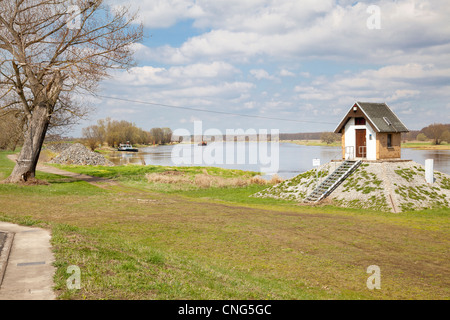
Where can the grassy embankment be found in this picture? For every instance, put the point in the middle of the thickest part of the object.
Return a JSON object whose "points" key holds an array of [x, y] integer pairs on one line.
{"points": [[153, 240]]}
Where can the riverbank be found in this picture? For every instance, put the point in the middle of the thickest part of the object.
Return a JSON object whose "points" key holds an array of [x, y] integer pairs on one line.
{"points": [[150, 240], [313, 143], [420, 145]]}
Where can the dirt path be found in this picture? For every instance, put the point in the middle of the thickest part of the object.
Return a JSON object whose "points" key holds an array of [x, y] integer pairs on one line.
{"points": [[96, 181]]}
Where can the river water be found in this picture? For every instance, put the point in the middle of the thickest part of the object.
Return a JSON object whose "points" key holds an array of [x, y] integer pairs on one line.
{"points": [[285, 159]]}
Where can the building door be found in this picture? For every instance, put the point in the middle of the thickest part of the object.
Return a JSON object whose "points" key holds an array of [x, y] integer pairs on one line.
{"points": [[360, 143]]}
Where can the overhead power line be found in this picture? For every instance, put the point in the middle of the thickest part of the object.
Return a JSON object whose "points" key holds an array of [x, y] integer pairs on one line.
{"points": [[208, 111]]}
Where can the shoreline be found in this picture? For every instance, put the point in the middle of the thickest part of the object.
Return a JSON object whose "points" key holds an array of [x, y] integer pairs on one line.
{"points": [[409, 145], [427, 147], [316, 143]]}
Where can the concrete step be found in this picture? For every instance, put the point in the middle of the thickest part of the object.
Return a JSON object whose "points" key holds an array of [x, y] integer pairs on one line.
{"points": [[333, 180]]}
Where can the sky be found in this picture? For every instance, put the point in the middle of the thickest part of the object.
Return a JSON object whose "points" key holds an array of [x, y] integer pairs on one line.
{"points": [[291, 65]]}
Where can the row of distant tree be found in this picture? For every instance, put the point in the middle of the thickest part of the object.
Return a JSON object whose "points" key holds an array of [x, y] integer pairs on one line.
{"points": [[114, 132], [11, 129], [436, 133]]}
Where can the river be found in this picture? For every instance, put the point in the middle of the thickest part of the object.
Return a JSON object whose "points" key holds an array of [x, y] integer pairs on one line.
{"points": [[285, 159]]}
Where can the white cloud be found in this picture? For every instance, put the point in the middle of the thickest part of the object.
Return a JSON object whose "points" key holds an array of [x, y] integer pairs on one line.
{"points": [[194, 85], [260, 74], [122, 111], [163, 13], [243, 30], [190, 74], [216, 69], [401, 94], [406, 63], [286, 73], [408, 88]]}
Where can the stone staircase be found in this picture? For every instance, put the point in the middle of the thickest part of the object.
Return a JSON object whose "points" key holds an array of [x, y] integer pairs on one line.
{"points": [[333, 181]]}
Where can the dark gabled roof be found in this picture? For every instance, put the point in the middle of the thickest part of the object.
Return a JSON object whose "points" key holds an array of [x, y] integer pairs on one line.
{"points": [[379, 115]]}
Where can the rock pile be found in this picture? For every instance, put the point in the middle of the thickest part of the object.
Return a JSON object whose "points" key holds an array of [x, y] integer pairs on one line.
{"points": [[58, 147], [79, 155]]}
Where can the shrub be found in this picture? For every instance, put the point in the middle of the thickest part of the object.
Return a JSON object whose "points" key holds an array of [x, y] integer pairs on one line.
{"points": [[329, 137], [421, 137], [258, 180], [46, 155], [276, 179], [203, 181]]}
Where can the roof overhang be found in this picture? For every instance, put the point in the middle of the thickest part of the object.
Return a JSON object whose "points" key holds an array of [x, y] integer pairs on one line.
{"points": [[349, 115]]}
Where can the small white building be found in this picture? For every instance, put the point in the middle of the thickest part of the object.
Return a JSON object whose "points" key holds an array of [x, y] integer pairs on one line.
{"points": [[371, 131]]}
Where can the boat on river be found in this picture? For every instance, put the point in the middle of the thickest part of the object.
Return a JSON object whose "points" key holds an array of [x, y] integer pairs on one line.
{"points": [[127, 147]]}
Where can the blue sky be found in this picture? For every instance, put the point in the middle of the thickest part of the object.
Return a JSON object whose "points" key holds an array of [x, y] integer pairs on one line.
{"points": [[305, 60]]}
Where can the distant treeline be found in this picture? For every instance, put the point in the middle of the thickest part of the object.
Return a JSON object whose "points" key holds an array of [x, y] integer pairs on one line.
{"points": [[114, 132], [301, 136], [247, 137], [436, 133]]}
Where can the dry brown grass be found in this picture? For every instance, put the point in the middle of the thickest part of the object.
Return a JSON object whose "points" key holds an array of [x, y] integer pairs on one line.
{"points": [[46, 155], [258, 180], [205, 180], [168, 178], [275, 179]]}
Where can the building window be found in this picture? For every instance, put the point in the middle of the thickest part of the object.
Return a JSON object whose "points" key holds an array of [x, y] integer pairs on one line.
{"points": [[389, 140], [360, 121]]}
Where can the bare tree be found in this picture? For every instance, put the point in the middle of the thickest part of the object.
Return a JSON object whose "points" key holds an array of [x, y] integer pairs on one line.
{"points": [[52, 50], [93, 136], [435, 131], [167, 135], [157, 135], [330, 137], [11, 129]]}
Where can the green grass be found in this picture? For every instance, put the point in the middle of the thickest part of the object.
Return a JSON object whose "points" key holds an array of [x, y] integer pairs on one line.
{"points": [[134, 176], [147, 241], [58, 185], [313, 143], [137, 172], [426, 145]]}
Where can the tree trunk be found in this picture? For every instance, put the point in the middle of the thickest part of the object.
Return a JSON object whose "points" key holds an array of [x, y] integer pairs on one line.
{"points": [[33, 139]]}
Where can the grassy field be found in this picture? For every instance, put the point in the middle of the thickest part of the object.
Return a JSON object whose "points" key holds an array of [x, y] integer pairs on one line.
{"points": [[142, 239], [422, 145], [425, 145], [313, 143]]}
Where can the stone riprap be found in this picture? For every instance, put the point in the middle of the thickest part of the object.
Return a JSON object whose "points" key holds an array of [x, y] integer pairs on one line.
{"points": [[77, 154]]}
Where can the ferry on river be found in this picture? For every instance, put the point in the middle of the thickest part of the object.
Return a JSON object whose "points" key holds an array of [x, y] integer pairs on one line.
{"points": [[127, 147]]}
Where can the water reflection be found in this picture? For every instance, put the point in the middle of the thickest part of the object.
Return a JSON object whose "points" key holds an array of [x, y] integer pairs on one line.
{"points": [[441, 158], [293, 159]]}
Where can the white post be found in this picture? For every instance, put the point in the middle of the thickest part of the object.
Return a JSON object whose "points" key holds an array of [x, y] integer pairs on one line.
{"points": [[429, 171], [316, 163]]}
